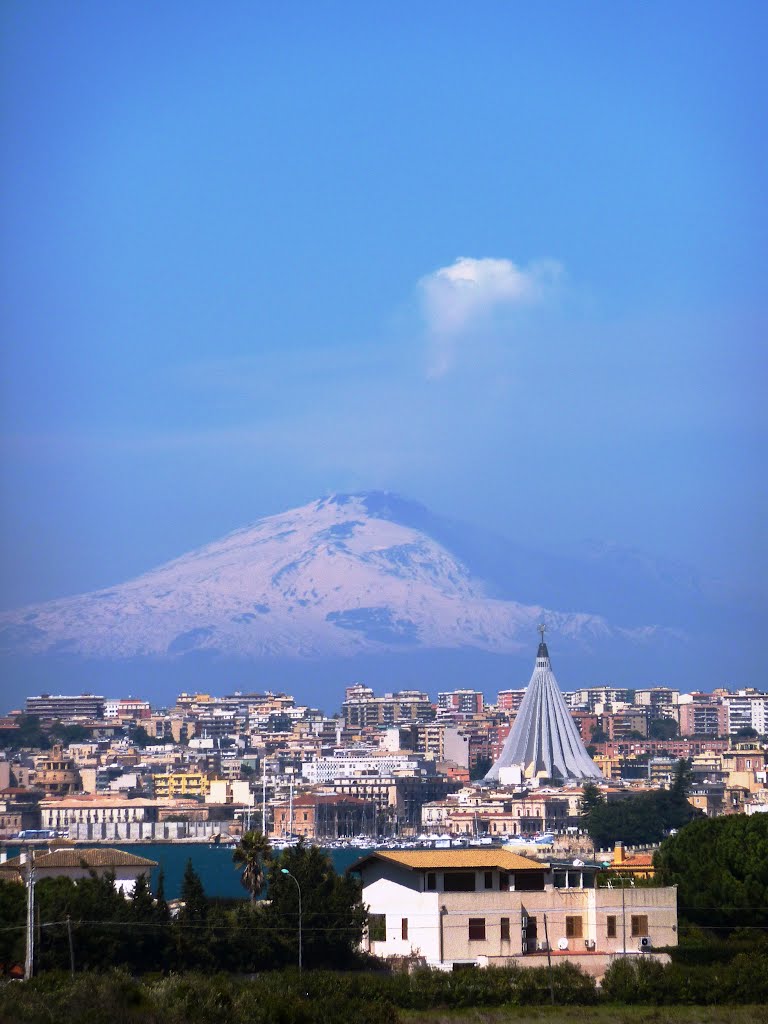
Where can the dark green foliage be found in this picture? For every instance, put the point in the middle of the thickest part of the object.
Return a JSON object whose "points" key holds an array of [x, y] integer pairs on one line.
{"points": [[481, 768], [642, 817], [252, 854], [323, 997], [662, 729], [333, 916], [140, 737], [195, 903], [639, 979], [28, 734], [720, 866], [13, 913], [67, 734], [591, 798]]}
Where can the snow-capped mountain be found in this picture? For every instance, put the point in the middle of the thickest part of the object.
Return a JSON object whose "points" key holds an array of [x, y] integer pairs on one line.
{"points": [[346, 575]]}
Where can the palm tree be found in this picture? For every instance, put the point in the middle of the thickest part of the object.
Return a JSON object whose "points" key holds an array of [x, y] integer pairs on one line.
{"points": [[252, 853]]}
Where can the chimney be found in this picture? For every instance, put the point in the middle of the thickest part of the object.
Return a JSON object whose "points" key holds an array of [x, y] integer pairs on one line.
{"points": [[618, 853]]}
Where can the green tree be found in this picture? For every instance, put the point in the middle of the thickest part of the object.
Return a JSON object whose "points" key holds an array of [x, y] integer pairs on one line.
{"points": [[13, 913], [591, 797], [27, 733], [192, 946], [682, 779], [142, 906], [162, 914], [720, 866], [333, 915], [99, 917], [194, 910], [252, 854], [481, 768], [662, 729], [140, 737], [639, 818], [746, 732]]}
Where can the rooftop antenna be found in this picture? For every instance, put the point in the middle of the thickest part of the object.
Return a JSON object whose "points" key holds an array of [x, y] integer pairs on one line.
{"points": [[542, 628]]}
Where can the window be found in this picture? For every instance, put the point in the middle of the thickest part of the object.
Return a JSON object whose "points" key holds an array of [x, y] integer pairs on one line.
{"points": [[573, 928], [377, 927], [477, 929], [610, 924], [488, 879], [505, 929], [503, 880], [561, 879], [459, 881], [529, 881], [404, 928], [639, 925], [431, 881]]}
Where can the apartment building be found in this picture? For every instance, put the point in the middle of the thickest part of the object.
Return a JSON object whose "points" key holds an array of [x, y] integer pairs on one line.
{"points": [[701, 714], [492, 907], [661, 701], [361, 708], [181, 784], [460, 702], [63, 707]]}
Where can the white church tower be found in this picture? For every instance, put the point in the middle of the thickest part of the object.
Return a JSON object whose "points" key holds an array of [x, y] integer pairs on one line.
{"points": [[544, 741]]}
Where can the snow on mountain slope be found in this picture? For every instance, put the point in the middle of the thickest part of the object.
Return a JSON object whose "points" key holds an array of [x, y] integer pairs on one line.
{"points": [[342, 576]]}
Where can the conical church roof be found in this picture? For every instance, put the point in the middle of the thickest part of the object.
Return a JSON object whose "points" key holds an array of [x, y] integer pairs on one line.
{"points": [[544, 741]]}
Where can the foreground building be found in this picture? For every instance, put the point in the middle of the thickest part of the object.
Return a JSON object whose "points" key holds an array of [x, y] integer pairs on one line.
{"points": [[493, 907], [544, 743]]}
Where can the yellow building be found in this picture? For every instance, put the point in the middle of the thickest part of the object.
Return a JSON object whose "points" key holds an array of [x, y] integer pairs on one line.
{"points": [[181, 784]]}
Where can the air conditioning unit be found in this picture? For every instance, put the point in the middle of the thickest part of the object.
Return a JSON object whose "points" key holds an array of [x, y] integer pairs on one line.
{"points": [[645, 942], [543, 946], [562, 943], [589, 943]]}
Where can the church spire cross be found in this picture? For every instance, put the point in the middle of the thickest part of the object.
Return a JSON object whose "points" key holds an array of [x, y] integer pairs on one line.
{"points": [[542, 628]]}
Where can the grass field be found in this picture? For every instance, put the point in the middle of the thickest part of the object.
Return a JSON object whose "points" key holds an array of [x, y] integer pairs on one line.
{"points": [[592, 1015]]}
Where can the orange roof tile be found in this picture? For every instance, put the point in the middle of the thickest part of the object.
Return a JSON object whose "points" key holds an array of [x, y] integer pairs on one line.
{"points": [[74, 858], [417, 860]]}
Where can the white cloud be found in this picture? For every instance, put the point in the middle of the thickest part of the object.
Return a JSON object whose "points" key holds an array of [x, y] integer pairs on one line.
{"points": [[458, 297]]}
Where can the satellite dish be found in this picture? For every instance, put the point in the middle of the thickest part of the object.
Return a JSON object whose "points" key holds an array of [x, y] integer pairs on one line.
{"points": [[578, 863], [562, 943]]}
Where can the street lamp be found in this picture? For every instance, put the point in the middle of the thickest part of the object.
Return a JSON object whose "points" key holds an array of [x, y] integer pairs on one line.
{"points": [[285, 871]]}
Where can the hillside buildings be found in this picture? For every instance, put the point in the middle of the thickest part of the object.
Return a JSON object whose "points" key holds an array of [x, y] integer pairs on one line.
{"points": [[389, 765]]}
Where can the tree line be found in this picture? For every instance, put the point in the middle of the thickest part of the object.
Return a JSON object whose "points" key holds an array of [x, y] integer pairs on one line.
{"points": [[90, 923]]}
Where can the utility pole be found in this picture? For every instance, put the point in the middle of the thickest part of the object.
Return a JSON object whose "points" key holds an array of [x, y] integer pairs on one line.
{"points": [[71, 947], [29, 964], [549, 954], [285, 871], [264, 794], [290, 809]]}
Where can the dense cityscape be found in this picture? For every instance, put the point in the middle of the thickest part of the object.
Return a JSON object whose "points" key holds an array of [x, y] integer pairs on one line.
{"points": [[389, 764]]}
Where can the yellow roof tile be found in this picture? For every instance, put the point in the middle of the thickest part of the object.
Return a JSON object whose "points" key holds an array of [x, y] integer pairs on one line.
{"points": [[441, 859]]}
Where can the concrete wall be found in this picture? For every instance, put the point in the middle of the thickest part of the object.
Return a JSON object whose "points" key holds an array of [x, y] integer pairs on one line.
{"points": [[145, 831], [438, 922]]}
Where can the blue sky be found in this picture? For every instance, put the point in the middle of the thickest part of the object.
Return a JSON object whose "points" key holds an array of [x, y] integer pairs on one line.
{"points": [[230, 236]]}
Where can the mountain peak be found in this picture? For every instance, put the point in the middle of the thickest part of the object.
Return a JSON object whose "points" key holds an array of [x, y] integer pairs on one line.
{"points": [[355, 573]]}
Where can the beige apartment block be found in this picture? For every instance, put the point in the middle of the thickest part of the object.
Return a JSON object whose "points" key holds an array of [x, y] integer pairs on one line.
{"points": [[452, 908]]}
